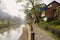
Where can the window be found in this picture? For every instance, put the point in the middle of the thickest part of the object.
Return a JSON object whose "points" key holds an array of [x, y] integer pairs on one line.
{"points": [[49, 6]]}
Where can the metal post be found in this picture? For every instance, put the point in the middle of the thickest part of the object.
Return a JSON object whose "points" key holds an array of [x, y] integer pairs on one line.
{"points": [[32, 33], [31, 28]]}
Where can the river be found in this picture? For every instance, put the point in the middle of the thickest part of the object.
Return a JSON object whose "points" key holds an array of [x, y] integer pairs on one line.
{"points": [[12, 7], [12, 34]]}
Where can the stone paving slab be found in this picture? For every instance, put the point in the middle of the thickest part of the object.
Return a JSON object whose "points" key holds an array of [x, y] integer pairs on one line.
{"points": [[39, 34]]}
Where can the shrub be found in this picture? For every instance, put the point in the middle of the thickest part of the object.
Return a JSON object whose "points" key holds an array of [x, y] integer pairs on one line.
{"points": [[57, 28], [52, 26], [43, 25]]}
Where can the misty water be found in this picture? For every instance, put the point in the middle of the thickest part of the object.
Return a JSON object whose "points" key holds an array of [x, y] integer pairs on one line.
{"points": [[12, 8], [12, 34]]}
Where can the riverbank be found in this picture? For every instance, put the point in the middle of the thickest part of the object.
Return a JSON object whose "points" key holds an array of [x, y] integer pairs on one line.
{"points": [[39, 34]]}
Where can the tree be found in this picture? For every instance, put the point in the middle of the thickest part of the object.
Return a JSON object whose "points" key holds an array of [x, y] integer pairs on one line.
{"points": [[58, 10], [19, 1], [32, 9]]}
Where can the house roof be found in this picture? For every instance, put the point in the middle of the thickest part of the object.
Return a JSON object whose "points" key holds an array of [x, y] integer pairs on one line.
{"points": [[53, 2]]}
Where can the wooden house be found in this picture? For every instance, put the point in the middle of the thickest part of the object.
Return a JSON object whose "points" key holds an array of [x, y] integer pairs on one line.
{"points": [[49, 13]]}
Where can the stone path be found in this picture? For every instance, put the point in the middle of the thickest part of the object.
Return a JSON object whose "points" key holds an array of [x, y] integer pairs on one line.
{"points": [[39, 34], [24, 35]]}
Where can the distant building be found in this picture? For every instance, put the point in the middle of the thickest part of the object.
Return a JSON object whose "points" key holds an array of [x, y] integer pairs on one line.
{"points": [[49, 13]]}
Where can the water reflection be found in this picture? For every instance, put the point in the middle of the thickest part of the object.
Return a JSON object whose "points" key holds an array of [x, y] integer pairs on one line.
{"points": [[12, 34], [10, 8]]}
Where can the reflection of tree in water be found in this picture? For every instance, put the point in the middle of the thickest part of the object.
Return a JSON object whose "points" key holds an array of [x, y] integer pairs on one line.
{"points": [[11, 22], [8, 36], [0, 37]]}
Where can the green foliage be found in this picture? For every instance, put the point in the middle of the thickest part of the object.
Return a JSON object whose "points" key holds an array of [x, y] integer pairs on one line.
{"points": [[58, 10], [57, 28], [43, 24], [54, 22], [50, 23], [35, 13], [3, 23], [35, 2], [52, 26]]}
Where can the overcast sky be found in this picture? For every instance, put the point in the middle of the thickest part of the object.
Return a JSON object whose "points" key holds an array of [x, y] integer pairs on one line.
{"points": [[48, 1]]}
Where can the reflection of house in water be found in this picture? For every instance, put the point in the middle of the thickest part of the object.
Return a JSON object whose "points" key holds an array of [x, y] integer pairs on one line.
{"points": [[49, 13]]}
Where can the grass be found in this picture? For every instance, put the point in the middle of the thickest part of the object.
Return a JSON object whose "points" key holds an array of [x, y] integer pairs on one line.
{"points": [[48, 26], [57, 27], [49, 33], [52, 35]]}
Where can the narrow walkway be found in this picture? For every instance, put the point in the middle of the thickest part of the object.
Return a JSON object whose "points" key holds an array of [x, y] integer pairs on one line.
{"points": [[39, 34], [24, 35]]}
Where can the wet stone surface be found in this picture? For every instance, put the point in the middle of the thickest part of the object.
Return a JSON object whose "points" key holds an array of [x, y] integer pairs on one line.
{"points": [[39, 34]]}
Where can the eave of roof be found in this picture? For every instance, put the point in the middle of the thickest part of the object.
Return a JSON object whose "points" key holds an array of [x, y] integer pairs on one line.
{"points": [[55, 2]]}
